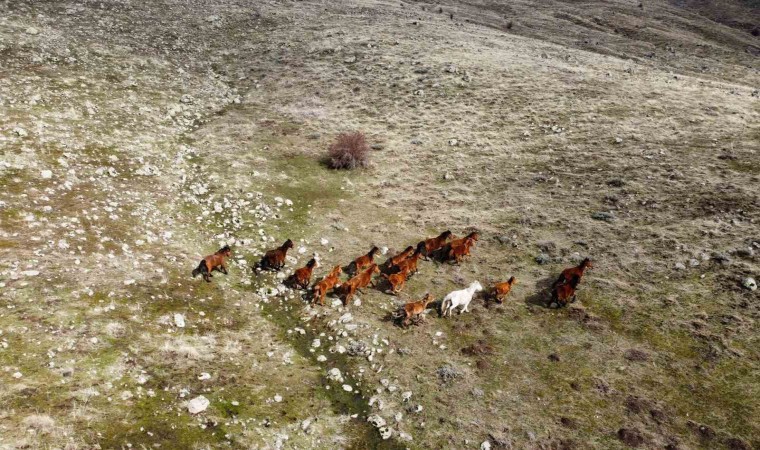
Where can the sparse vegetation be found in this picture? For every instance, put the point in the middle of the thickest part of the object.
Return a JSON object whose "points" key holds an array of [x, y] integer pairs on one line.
{"points": [[349, 151], [138, 137]]}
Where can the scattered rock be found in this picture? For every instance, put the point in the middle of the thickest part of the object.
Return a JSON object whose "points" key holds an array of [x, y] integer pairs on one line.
{"points": [[385, 432], [750, 283], [179, 321], [335, 375], [376, 421], [197, 405]]}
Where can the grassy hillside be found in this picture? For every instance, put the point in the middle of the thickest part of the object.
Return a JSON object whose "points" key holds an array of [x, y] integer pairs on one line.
{"points": [[137, 137]]}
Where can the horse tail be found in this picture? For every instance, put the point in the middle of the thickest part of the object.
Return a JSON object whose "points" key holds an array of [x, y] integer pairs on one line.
{"points": [[200, 269], [444, 304]]}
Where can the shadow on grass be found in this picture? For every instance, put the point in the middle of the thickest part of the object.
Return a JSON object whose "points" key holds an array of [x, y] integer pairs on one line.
{"points": [[541, 293]]}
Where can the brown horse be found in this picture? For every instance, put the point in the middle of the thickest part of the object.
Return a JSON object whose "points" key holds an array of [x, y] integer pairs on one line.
{"points": [[275, 259], [213, 262]]}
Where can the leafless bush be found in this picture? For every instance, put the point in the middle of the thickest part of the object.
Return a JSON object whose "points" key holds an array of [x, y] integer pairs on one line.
{"points": [[349, 151]]}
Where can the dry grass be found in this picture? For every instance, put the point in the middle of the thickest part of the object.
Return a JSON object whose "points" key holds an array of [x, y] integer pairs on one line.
{"points": [[523, 132]]}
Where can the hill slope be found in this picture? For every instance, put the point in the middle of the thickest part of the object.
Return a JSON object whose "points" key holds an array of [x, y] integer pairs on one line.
{"points": [[137, 138]]}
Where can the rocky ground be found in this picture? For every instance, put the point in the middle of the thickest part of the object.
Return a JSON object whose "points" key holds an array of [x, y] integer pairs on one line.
{"points": [[136, 137]]}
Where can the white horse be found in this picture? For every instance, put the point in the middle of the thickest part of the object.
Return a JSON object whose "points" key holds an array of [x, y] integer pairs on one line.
{"points": [[460, 298]]}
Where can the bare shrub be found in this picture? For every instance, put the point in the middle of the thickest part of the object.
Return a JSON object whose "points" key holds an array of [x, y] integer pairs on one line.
{"points": [[349, 151]]}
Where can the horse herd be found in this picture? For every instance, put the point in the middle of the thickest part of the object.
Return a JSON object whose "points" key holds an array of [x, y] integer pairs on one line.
{"points": [[395, 272]]}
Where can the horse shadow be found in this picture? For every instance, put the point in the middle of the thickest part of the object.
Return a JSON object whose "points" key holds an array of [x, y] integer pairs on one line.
{"points": [[541, 293]]}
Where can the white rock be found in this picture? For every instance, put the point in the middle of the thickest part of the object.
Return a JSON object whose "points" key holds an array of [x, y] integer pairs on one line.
{"points": [[376, 421], [33, 31], [278, 398], [198, 404], [347, 317], [316, 343], [348, 388], [750, 283], [179, 320], [46, 174], [384, 250], [485, 445], [385, 433], [406, 396], [17, 375], [324, 242], [305, 424], [321, 358], [30, 273], [335, 375], [204, 376]]}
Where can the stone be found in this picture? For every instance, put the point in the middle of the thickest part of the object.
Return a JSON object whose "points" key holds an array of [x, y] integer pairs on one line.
{"points": [[385, 433], [46, 174], [198, 404], [179, 321], [750, 283], [376, 421], [32, 30], [335, 375]]}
